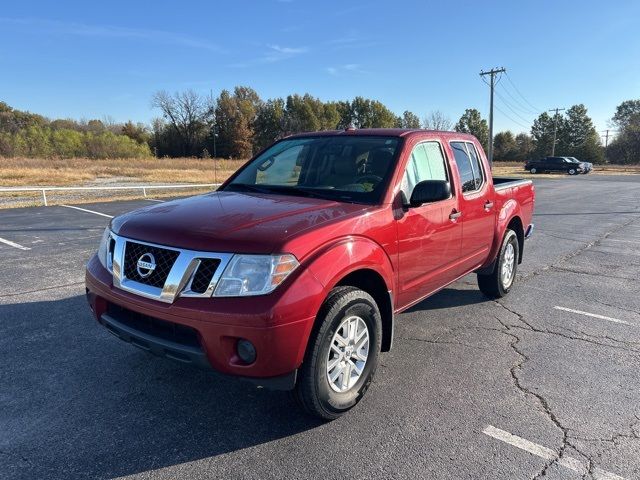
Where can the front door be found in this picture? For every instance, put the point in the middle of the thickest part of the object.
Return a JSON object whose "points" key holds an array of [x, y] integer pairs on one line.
{"points": [[428, 239]]}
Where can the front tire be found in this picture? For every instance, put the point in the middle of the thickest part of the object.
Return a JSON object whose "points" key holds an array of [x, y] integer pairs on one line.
{"points": [[498, 283], [342, 355], [534, 170], [572, 171]]}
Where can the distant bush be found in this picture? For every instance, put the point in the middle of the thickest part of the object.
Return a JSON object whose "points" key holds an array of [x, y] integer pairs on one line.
{"points": [[24, 134], [45, 142]]}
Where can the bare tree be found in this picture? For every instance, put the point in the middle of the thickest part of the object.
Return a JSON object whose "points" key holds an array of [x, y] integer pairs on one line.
{"points": [[436, 120], [188, 112]]}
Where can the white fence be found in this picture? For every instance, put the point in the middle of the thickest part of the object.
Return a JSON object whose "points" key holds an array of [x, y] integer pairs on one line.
{"points": [[144, 188]]}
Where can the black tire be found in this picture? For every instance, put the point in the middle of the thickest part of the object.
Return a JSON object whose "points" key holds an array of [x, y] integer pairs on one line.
{"points": [[492, 284], [572, 171], [313, 390], [534, 170]]}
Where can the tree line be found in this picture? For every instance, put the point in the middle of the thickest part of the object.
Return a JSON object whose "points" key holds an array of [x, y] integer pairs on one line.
{"points": [[238, 123], [25, 134]]}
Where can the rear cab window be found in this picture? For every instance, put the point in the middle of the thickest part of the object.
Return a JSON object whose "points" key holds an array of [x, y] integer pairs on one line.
{"points": [[469, 166]]}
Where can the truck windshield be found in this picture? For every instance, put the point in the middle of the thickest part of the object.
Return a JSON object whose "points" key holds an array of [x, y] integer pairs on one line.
{"points": [[341, 168]]}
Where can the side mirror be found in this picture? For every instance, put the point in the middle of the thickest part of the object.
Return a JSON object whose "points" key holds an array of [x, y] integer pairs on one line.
{"points": [[429, 191]]}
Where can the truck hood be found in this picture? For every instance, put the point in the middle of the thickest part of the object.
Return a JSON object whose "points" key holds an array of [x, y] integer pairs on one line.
{"points": [[232, 221]]}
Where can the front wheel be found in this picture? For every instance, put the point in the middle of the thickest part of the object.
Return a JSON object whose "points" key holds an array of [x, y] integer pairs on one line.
{"points": [[498, 283], [572, 171], [342, 355], [534, 170]]}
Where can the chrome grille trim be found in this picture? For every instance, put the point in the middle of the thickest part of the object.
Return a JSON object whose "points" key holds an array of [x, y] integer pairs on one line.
{"points": [[179, 279]]}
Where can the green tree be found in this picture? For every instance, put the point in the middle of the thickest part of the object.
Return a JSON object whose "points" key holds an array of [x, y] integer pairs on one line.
{"points": [[625, 148], [542, 133], [504, 146], [627, 113], [409, 120], [524, 147], [472, 122], [269, 124], [578, 136]]}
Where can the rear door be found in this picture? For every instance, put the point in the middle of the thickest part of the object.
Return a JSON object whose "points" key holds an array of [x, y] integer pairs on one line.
{"points": [[476, 205], [428, 239]]}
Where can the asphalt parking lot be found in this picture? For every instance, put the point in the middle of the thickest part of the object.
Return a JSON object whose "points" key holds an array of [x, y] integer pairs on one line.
{"points": [[544, 383]]}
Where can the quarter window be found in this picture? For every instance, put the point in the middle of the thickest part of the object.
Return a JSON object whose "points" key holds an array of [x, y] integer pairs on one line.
{"points": [[427, 162], [469, 166]]}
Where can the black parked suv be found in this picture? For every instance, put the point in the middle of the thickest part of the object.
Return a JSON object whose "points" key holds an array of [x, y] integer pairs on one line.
{"points": [[554, 164]]}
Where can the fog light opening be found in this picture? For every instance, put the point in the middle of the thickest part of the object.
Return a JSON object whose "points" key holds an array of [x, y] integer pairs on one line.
{"points": [[246, 351]]}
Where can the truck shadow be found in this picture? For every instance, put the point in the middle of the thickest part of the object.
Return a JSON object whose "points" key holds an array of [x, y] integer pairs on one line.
{"points": [[80, 403], [449, 297]]}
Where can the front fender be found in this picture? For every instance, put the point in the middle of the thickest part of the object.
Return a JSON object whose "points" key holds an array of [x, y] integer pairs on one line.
{"points": [[338, 259], [347, 255]]}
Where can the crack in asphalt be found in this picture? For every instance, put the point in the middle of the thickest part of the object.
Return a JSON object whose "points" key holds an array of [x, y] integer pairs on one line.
{"points": [[593, 274], [436, 341], [544, 403], [578, 251]]}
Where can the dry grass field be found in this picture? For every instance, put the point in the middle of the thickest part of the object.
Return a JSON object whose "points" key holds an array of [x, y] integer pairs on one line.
{"points": [[16, 172], [35, 172]]}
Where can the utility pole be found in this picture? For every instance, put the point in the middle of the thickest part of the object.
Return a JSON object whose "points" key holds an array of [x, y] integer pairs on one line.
{"points": [[606, 143], [555, 129], [492, 83]]}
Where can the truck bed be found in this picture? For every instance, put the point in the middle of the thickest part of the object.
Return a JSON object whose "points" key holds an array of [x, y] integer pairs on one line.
{"points": [[500, 183]]}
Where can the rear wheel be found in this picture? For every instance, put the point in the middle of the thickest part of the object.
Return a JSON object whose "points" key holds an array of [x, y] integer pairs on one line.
{"points": [[342, 355], [498, 283]]}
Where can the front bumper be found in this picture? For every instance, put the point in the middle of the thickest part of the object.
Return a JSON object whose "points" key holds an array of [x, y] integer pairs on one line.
{"points": [[205, 331]]}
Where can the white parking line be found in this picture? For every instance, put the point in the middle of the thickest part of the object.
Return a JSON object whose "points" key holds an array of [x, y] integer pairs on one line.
{"points": [[13, 244], [88, 211], [594, 315], [548, 454]]}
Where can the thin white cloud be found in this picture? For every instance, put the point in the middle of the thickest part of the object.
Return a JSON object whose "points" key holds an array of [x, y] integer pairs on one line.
{"points": [[349, 68], [273, 54], [39, 26]]}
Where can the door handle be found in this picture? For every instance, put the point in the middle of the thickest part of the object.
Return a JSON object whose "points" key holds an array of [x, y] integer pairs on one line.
{"points": [[454, 215], [488, 205]]}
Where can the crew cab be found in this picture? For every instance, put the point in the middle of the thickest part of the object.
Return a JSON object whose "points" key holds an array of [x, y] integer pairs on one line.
{"points": [[293, 272], [555, 164]]}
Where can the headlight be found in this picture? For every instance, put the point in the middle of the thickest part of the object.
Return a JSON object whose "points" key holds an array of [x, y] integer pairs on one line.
{"points": [[104, 249], [254, 274]]}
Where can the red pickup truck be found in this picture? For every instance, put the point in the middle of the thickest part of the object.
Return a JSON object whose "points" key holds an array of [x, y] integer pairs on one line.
{"points": [[292, 273]]}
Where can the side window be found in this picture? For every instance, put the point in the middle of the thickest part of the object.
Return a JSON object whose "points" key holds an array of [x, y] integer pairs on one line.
{"points": [[427, 162], [476, 164], [463, 162], [469, 166]]}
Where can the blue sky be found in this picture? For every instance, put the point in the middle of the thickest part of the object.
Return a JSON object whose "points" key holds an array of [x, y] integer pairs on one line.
{"points": [[92, 59]]}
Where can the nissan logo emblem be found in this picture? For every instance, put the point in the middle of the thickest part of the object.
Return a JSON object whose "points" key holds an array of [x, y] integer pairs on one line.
{"points": [[146, 265]]}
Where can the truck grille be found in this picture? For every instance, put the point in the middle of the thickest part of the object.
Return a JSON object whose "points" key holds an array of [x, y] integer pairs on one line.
{"points": [[164, 260], [204, 274]]}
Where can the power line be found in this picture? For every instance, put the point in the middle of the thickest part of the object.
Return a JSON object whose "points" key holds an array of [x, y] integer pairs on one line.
{"points": [[492, 76], [512, 120], [523, 97], [518, 103], [510, 108]]}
